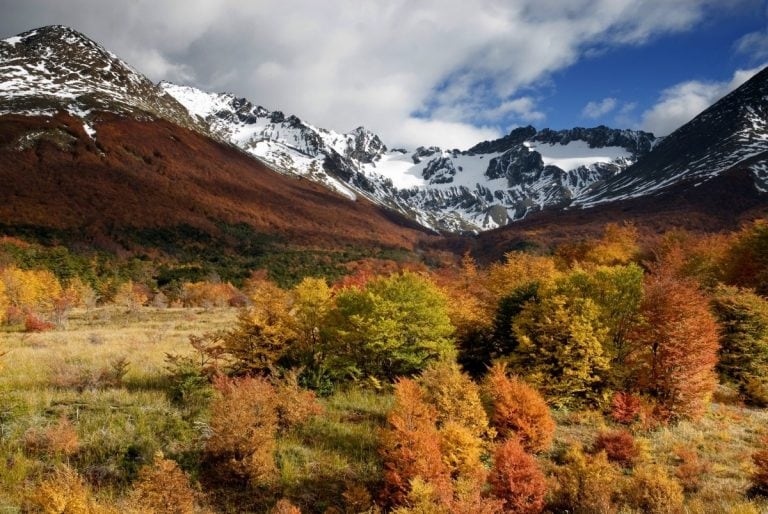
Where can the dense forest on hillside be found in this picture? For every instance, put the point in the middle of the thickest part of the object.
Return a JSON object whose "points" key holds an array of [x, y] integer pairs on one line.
{"points": [[607, 375]]}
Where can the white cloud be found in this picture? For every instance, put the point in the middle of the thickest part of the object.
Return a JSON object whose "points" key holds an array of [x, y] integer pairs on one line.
{"points": [[680, 103], [342, 63], [754, 44], [596, 109]]}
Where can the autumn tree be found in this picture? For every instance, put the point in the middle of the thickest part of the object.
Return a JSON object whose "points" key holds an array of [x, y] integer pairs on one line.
{"points": [[674, 351], [743, 319], [411, 447], [393, 327], [517, 479], [244, 421], [746, 262], [130, 296], [519, 269], [760, 474], [518, 411], [264, 331], [64, 492], [30, 289], [311, 306], [561, 349], [455, 396], [617, 292]]}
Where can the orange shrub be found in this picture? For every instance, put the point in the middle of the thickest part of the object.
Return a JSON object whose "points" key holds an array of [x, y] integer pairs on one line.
{"points": [[517, 479], [619, 446], [243, 424], [210, 294], [34, 323], [760, 474], [410, 447], [626, 408], [163, 488], [689, 469], [285, 507], [518, 410], [57, 440], [295, 405]]}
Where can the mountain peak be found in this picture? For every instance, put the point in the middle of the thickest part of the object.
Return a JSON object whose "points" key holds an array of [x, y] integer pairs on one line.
{"points": [[56, 68]]}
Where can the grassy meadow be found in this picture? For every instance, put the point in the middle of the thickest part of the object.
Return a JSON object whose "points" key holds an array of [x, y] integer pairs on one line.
{"points": [[121, 423]]}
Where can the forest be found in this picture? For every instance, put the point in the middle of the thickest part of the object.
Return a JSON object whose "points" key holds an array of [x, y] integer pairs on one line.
{"points": [[619, 374]]}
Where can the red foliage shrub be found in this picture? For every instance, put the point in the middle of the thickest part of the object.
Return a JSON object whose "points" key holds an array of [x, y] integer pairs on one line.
{"points": [[517, 479], [619, 446], [519, 411], [410, 447], [626, 408], [689, 469], [34, 323], [760, 474]]}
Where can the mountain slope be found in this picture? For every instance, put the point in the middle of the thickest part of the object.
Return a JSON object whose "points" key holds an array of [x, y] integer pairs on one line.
{"points": [[487, 186], [731, 134]]}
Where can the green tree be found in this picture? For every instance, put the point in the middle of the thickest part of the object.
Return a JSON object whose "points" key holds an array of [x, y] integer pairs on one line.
{"points": [[392, 327], [561, 349], [743, 319], [617, 291]]}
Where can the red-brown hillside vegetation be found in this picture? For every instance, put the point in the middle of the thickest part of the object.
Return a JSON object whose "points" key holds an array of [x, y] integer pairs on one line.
{"points": [[150, 174]]}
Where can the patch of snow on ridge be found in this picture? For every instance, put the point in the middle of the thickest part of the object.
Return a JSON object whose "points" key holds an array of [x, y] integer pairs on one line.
{"points": [[576, 154]]}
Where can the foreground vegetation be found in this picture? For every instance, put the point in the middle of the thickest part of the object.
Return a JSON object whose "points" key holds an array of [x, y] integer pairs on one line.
{"points": [[608, 376]]}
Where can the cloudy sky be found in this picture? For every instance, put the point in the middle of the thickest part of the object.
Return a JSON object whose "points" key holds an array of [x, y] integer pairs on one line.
{"points": [[446, 72]]}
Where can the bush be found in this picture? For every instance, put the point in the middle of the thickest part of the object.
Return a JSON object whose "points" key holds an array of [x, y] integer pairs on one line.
{"points": [[517, 479], [295, 405], [585, 484], [57, 440], [243, 425], [455, 396], [689, 469], [411, 447], [34, 323], [63, 492], [653, 491], [760, 473], [619, 446], [163, 488], [626, 408], [285, 507], [518, 411], [76, 375]]}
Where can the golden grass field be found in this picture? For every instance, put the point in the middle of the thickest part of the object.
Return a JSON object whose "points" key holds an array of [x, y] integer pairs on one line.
{"points": [[120, 428]]}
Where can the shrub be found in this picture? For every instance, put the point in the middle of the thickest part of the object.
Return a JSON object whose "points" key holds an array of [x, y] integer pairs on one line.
{"points": [[56, 440], [76, 375], [295, 405], [518, 411], [517, 479], [411, 447], [619, 446], [462, 451], [285, 507], [163, 488], [743, 318], [760, 473], [653, 491], [34, 323], [626, 408], [63, 492], [585, 484], [690, 469], [243, 425], [455, 397]]}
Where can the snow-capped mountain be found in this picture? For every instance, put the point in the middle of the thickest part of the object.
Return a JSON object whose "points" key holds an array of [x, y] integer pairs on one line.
{"points": [[731, 134], [484, 187], [56, 68], [492, 184]]}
